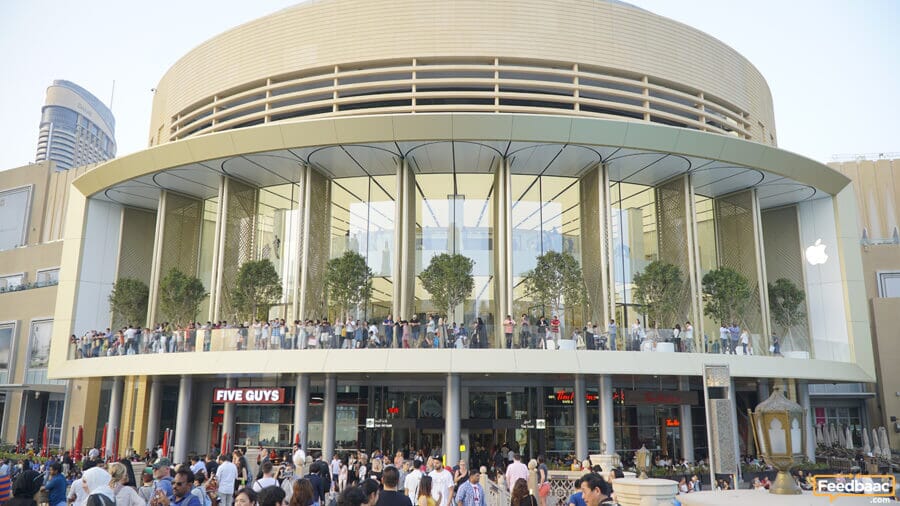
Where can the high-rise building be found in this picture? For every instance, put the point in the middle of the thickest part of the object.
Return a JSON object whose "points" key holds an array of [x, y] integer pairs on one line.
{"points": [[76, 127]]}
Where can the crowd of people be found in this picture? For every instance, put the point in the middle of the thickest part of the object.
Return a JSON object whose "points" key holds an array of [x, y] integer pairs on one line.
{"points": [[430, 331]]}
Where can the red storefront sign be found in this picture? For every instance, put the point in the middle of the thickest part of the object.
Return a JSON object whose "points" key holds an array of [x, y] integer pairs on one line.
{"points": [[249, 395], [633, 397]]}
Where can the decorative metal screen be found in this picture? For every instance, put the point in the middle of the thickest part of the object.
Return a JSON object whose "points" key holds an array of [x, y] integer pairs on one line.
{"points": [[737, 250], [180, 238], [239, 236], [593, 242], [319, 245], [784, 259], [717, 387], [135, 249], [672, 239]]}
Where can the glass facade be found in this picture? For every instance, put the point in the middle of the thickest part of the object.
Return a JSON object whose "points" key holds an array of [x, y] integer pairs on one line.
{"points": [[15, 204], [545, 216], [454, 214], [277, 239]]}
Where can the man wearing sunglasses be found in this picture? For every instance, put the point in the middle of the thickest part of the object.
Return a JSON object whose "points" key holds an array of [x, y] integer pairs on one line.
{"points": [[181, 491]]}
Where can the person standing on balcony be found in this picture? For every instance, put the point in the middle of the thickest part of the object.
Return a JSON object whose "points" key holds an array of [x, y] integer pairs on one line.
{"points": [[525, 332], [612, 329], [388, 325], [735, 333], [508, 325]]}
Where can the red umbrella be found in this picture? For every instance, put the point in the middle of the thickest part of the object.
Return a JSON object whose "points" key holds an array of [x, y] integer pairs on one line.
{"points": [[165, 445], [45, 442], [103, 441], [22, 439], [297, 438], [225, 443], [79, 442]]}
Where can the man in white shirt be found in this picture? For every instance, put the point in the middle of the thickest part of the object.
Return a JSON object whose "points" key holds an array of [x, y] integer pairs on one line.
{"points": [[226, 474], [441, 482], [411, 483], [197, 465], [268, 477], [515, 471]]}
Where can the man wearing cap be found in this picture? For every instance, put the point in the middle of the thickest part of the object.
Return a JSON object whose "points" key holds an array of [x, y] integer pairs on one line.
{"points": [[162, 479], [470, 493], [441, 482]]}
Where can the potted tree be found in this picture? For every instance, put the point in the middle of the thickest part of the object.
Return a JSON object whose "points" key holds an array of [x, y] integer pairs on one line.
{"points": [[557, 281], [659, 288], [726, 293], [128, 302], [257, 288], [448, 278], [787, 310], [180, 296], [348, 280]]}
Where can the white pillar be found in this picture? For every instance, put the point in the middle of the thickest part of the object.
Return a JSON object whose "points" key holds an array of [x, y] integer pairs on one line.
{"points": [[607, 416], [451, 420], [183, 419], [153, 411], [803, 401], [228, 419], [581, 441], [115, 413], [301, 408], [329, 417], [687, 422]]}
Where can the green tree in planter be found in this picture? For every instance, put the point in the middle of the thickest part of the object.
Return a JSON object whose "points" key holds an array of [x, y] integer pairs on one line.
{"points": [[128, 301], [256, 289], [727, 294], [786, 307], [448, 278], [348, 280], [556, 279], [659, 288], [180, 296]]}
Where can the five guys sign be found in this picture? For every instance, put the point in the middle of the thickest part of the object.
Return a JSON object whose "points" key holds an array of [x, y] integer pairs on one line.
{"points": [[249, 395]]}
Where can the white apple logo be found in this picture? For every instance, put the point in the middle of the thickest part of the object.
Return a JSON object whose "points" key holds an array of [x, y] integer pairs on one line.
{"points": [[815, 254]]}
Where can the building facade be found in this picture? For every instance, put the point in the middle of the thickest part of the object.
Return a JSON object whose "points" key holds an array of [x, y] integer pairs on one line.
{"points": [[464, 127], [876, 181], [76, 127], [32, 207]]}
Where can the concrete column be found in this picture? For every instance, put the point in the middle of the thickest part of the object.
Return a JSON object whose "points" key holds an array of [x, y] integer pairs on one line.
{"points": [[451, 420], [687, 422], [115, 412], [803, 401], [329, 417], [732, 398], [228, 419], [762, 389], [183, 419], [581, 443], [607, 416], [153, 412], [301, 409]]}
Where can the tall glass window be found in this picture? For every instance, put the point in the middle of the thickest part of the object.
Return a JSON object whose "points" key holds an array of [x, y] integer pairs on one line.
{"points": [[14, 206], [634, 240], [708, 259], [207, 245], [546, 216], [362, 220], [277, 229], [454, 214]]}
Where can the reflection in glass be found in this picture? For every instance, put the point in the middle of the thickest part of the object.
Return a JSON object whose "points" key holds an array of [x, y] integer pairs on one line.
{"points": [[454, 214], [207, 245], [634, 241], [546, 216], [277, 229], [362, 220]]}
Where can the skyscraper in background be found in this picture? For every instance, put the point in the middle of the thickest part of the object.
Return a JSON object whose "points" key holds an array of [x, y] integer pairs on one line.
{"points": [[76, 127]]}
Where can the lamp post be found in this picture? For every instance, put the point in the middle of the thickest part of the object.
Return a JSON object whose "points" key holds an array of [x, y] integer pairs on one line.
{"points": [[779, 429], [642, 461]]}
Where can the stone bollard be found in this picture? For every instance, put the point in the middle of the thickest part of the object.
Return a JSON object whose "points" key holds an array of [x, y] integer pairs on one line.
{"points": [[638, 492]]}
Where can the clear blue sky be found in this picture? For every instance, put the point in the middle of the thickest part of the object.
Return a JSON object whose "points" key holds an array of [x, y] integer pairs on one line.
{"points": [[833, 65]]}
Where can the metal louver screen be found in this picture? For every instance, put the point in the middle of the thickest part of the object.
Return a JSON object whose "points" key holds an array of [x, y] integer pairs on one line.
{"points": [[136, 249], [239, 236], [737, 249], [319, 246], [593, 242], [784, 259], [180, 238], [672, 239]]}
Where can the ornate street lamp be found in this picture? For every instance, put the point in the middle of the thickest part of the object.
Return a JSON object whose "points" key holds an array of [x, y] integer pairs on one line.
{"points": [[779, 429], [642, 461]]}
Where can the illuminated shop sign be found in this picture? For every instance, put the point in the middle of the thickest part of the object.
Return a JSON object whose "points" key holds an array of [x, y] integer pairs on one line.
{"points": [[568, 397], [632, 397], [672, 422], [249, 395]]}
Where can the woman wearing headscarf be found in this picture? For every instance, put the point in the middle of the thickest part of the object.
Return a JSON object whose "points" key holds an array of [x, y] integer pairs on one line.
{"points": [[96, 484], [27, 484]]}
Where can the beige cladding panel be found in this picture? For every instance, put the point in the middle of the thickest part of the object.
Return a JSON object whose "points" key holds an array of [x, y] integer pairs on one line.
{"points": [[588, 32], [877, 187]]}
